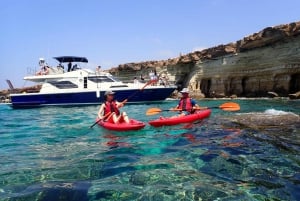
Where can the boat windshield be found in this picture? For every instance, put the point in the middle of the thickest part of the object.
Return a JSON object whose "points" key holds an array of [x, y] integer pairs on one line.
{"points": [[101, 78], [63, 84], [114, 78]]}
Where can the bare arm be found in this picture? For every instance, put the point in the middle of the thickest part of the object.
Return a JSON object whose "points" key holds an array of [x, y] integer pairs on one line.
{"points": [[101, 112], [197, 107], [120, 104]]}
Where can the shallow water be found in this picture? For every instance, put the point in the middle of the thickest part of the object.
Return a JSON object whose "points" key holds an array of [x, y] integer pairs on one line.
{"points": [[52, 154]]}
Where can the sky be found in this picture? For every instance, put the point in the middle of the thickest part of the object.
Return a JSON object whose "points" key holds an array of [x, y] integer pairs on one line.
{"points": [[113, 32]]}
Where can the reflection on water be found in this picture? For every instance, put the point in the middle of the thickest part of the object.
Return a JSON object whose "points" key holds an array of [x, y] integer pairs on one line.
{"points": [[52, 154]]}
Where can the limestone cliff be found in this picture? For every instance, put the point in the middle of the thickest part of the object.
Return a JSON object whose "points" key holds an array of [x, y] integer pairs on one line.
{"points": [[253, 66]]}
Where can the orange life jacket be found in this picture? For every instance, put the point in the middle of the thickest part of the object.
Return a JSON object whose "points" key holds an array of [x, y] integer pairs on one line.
{"points": [[185, 104]]}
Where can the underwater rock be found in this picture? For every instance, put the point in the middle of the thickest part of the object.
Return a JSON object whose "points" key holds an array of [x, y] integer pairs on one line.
{"points": [[75, 191], [209, 194], [139, 178], [266, 120], [275, 127]]}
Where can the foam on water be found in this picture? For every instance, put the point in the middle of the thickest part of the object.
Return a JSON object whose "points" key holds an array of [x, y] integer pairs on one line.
{"points": [[278, 112]]}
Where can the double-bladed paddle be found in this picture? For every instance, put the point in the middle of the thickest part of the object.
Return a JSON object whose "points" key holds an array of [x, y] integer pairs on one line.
{"points": [[105, 116], [229, 106], [141, 89]]}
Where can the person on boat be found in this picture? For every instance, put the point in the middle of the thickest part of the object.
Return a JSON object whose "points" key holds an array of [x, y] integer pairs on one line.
{"points": [[109, 110], [42, 62], [163, 79], [60, 66], [98, 69], [44, 71], [186, 104], [44, 67], [75, 67], [142, 78], [153, 77], [69, 66], [135, 81]]}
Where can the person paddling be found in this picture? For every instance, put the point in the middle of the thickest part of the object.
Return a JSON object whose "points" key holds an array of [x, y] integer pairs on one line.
{"points": [[111, 107], [186, 104]]}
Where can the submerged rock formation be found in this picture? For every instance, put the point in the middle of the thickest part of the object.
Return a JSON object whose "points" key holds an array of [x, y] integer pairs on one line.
{"points": [[267, 61], [273, 127], [266, 121]]}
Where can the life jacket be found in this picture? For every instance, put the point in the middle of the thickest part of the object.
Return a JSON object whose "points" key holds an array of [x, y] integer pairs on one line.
{"points": [[111, 107], [186, 104]]}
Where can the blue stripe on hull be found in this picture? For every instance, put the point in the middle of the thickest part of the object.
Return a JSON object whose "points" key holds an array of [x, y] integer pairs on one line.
{"points": [[35, 100]]}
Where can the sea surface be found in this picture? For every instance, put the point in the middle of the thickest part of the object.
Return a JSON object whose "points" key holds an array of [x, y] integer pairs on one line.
{"points": [[51, 153]]}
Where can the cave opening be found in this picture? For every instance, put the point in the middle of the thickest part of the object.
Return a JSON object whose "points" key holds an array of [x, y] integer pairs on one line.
{"points": [[294, 85], [244, 85], [205, 86]]}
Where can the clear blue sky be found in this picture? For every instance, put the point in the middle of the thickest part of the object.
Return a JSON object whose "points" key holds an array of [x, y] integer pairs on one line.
{"points": [[113, 32]]}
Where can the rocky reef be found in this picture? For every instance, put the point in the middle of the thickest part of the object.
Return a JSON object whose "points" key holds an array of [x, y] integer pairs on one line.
{"points": [[265, 121], [259, 65]]}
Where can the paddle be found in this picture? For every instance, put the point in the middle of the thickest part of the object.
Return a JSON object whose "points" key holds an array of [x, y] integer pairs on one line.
{"points": [[100, 120], [124, 101], [229, 106], [133, 94]]}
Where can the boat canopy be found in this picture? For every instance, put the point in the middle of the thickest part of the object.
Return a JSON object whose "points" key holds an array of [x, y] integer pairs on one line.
{"points": [[63, 59]]}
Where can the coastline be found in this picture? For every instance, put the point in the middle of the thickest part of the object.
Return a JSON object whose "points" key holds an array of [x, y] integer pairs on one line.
{"points": [[243, 68], [240, 70], [210, 99]]}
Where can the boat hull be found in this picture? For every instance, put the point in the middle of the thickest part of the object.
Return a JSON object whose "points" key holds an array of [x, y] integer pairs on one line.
{"points": [[88, 97], [181, 119], [131, 126]]}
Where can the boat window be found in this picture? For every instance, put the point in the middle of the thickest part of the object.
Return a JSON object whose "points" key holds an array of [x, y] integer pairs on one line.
{"points": [[85, 82], [114, 78], [63, 84], [101, 79], [115, 86]]}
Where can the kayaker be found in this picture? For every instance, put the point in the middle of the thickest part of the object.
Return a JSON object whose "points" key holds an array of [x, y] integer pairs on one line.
{"points": [[111, 107], [186, 104]]}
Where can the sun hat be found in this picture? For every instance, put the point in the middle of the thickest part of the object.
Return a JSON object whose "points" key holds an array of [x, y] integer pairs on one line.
{"points": [[109, 93], [184, 90]]}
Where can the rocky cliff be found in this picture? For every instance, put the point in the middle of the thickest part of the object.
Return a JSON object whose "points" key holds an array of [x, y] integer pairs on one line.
{"points": [[267, 61], [4, 94]]}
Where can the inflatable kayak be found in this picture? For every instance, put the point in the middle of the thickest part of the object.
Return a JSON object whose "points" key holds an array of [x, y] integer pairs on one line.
{"points": [[180, 119], [132, 125]]}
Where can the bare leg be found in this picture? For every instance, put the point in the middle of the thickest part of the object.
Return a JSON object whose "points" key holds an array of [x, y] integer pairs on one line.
{"points": [[116, 118], [125, 117]]}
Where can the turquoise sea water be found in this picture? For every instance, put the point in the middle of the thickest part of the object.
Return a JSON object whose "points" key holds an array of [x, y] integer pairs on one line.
{"points": [[52, 154]]}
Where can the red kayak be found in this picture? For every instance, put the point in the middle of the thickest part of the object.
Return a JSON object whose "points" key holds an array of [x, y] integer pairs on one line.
{"points": [[198, 115], [132, 125]]}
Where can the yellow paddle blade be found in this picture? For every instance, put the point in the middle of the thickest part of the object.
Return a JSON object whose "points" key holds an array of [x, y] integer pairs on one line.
{"points": [[230, 106], [153, 111]]}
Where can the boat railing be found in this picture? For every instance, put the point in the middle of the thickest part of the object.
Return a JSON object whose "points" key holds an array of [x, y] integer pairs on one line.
{"points": [[157, 83], [51, 70], [56, 70], [162, 80], [31, 71]]}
